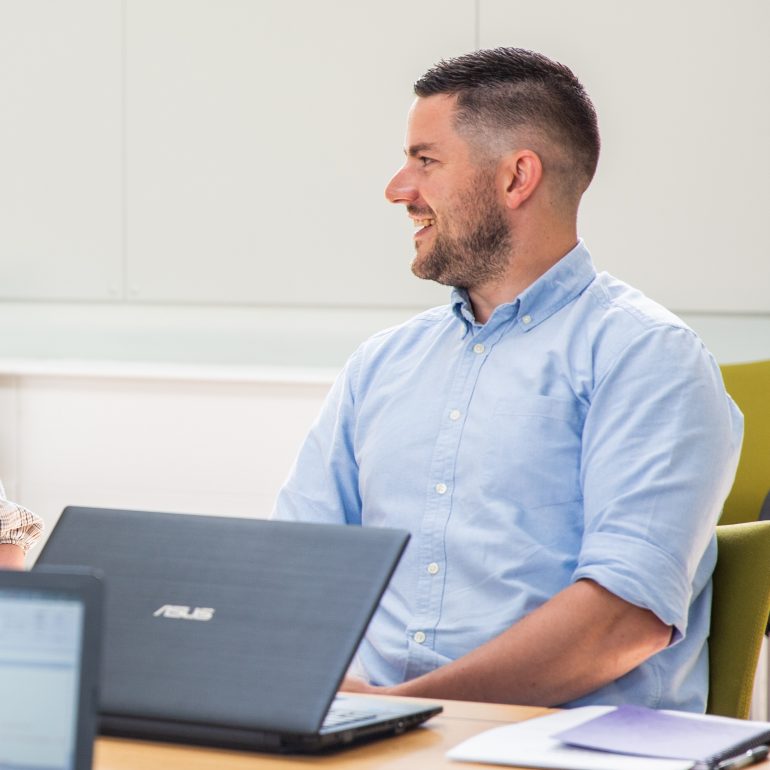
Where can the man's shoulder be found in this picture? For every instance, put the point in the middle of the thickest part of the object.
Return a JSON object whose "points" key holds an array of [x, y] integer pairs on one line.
{"points": [[396, 347], [620, 302], [618, 320], [421, 325]]}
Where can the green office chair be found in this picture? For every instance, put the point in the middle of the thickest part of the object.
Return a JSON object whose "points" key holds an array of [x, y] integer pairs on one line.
{"points": [[739, 614], [749, 499]]}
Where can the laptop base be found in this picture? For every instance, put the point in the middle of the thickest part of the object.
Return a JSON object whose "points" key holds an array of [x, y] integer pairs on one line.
{"points": [[221, 737]]}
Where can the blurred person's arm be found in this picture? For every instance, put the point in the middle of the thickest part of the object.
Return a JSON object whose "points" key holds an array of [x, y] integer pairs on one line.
{"points": [[20, 529], [11, 556]]}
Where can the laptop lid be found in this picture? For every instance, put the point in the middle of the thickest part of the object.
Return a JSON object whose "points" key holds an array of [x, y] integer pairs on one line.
{"points": [[50, 637], [243, 624]]}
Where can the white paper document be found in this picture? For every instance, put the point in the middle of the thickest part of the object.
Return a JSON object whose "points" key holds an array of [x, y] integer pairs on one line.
{"points": [[529, 744]]}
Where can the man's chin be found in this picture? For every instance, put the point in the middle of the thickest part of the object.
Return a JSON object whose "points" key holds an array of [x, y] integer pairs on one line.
{"points": [[427, 267], [423, 270], [435, 276]]}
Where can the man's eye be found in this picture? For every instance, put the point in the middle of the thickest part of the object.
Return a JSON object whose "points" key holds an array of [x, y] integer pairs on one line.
{"points": [[426, 161]]}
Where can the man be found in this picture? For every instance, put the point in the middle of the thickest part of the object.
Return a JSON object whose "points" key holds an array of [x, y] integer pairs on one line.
{"points": [[558, 445], [19, 531]]}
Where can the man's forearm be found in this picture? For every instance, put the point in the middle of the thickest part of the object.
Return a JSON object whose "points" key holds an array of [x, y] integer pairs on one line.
{"points": [[581, 639], [11, 556]]}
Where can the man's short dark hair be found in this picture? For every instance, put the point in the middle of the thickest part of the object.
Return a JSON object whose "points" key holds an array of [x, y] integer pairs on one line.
{"points": [[501, 89]]}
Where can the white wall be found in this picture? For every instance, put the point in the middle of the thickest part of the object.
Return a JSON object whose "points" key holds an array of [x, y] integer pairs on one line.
{"points": [[61, 218], [229, 152], [170, 440]]}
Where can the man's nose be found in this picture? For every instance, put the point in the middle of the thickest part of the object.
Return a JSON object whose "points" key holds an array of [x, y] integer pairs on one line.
{"points": [[401, 188]]}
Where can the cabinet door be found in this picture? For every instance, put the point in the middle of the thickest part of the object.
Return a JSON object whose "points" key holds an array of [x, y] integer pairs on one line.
{"points": [[61, 149]]}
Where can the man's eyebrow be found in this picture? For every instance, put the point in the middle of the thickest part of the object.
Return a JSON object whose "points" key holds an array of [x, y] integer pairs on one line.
{"points": [[418, 149]]}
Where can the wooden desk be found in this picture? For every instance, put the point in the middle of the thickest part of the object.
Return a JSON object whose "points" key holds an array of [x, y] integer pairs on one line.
{"points": [[420, 749]]}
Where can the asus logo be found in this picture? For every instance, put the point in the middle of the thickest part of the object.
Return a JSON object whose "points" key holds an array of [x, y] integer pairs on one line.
{"points": [[178, 612]]}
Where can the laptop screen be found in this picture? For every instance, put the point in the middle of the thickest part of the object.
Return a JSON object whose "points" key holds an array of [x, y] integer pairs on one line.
{"points": [[41, 639]]}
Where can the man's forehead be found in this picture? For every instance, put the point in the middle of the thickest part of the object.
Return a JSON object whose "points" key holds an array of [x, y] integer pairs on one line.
{"points": [[430, 123], [434, 107]]}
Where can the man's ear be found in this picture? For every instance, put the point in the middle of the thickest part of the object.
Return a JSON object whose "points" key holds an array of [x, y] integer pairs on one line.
{"points": [[523, 171]]}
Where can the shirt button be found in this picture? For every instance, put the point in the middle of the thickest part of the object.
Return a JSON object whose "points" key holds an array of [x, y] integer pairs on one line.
{"points": [[527, 319], [441, 488], [478, 348], [433, 568], [454, 414], [419, 637]]}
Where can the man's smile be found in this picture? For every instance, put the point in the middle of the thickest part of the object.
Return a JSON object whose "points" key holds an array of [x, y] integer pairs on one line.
{"points": [[423, 224]]}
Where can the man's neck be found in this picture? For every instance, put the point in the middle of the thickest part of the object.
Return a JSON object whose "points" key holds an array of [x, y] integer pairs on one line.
{"points": [[525, 267]]}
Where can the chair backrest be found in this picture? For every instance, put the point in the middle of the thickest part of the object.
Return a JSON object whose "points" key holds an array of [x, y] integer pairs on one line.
{"points": [[739, 613], [749, 385]]}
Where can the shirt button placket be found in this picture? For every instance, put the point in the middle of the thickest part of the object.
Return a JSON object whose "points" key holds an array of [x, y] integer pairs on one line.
{"points": [[430, 584]]}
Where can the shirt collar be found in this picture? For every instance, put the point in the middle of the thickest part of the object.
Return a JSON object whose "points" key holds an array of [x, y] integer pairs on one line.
{"points": [[550, 292]]}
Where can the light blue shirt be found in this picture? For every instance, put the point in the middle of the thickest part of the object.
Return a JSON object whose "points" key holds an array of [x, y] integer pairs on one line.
{"points": [[582, 432]]}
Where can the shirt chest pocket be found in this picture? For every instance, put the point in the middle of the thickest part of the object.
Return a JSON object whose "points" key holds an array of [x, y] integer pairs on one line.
{"points": [[532, 458]]}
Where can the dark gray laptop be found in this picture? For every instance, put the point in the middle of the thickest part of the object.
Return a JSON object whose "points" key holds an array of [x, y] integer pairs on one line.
{"points": [[50, 634], [234, 632]]}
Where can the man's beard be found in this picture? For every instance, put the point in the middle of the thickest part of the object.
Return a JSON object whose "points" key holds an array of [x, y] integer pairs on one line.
{"points": [[480, 253]]}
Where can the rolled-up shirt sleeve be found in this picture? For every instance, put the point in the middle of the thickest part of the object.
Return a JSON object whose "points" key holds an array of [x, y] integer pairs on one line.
{"points": [[18, 526], [660, 448]]}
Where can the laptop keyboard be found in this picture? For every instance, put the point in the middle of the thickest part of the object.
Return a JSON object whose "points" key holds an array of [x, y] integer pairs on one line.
{"points": [[342, 714]]}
